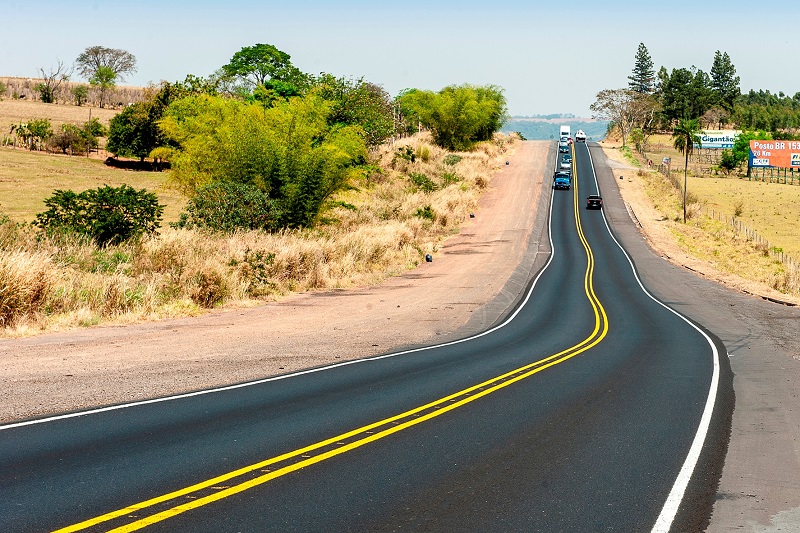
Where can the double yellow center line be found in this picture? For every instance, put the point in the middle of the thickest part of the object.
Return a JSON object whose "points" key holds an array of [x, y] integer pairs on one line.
{"points": [[145, 513]]}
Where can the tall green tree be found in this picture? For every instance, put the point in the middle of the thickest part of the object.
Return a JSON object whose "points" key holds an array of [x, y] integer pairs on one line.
{"points": [[724, 81], [643, 78], [357, 102], [94, 58], [104, 79], [685, 136], [267, 71], [686, 94]]}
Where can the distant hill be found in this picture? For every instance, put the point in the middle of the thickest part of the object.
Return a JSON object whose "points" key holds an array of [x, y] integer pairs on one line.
{"points": [[545, 127]]}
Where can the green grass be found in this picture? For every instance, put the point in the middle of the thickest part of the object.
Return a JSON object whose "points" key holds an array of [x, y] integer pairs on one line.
{"points": [[28, 178]]}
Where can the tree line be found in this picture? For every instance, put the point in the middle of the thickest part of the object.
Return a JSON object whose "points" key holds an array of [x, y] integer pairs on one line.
{"points": [[259, 144], [684, 100]]}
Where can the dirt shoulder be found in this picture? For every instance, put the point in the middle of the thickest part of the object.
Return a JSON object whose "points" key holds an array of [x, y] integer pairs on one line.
{"points": [[58, 372]]}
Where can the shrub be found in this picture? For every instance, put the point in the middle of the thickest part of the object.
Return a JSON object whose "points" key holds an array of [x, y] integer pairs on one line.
{"points": [[69, 139], [728, 162], [108, 215], [422, 182], [425, 212], [228, 206], [452, 159]]}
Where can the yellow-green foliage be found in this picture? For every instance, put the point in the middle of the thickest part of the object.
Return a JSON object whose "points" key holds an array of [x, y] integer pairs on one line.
{"points": [[375, 232]]}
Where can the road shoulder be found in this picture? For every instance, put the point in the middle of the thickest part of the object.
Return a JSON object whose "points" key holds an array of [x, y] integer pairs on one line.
{"points": [[759, 490]]}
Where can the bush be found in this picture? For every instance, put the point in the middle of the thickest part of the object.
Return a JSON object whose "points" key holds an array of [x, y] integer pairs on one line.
{"points": [[228, 206], [108, 215], [426, 213], [69, 139], [422, 182], [452, 159]]}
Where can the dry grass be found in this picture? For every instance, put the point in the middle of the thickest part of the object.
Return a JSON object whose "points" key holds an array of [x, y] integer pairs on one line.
{"points": [[182, 272], [767, 208], [16, 111]]}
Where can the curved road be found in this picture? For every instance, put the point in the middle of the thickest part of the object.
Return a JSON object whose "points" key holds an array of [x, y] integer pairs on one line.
{"points": [[583, 411]]}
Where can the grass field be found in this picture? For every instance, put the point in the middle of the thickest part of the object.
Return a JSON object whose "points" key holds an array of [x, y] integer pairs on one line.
{"points": [[28, 178], [771, 209], [16, 111]]}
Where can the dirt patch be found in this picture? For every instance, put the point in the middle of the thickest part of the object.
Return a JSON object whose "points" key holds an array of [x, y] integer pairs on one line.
{"points": [[106, 365]]}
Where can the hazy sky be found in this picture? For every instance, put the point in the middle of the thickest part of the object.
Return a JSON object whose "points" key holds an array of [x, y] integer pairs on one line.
{"points": [[550, 57]]}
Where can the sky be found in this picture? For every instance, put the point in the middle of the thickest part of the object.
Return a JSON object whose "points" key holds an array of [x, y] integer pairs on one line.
{"points": [[549, 57]]}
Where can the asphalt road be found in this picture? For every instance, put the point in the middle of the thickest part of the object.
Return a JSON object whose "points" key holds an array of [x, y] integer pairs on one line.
{"points": [[577, 413]]}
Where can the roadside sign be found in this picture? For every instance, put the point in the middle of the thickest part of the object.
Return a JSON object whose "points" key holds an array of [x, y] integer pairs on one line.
{"points": [[780, 154]]}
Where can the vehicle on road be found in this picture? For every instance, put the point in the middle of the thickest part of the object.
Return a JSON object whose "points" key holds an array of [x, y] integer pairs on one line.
{"points": [[565, 166], [562, 180], [594, 201], [580, 137], [563, 148], [564, 131]]}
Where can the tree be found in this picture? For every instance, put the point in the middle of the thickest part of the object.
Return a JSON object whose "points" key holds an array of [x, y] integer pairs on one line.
{"points": [[94, 58], [358, 103], [51, 81], [80, 93], [135, 132], [724, 81], [741, 146], [627, 110], [266, 66], [458, 116], [686, 136], [642, 79], [105, 79], [686, 94], [287, 151]]}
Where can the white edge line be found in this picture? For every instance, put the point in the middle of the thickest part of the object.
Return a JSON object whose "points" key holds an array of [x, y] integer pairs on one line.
{"points": [[311, 370], [675, 497]]}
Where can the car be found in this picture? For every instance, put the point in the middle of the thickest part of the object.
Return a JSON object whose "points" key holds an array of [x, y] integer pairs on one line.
{"points": [[594, 201], [563, 139], [563, 148], [565, 166], [566, 157], [562, 180]]}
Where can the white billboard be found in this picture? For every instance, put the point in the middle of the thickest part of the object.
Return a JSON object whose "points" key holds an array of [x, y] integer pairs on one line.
{"points": [[717, 138]]}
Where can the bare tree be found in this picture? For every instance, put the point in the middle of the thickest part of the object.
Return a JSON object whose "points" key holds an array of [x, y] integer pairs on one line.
{"points": [[51, 81], [94, 58], [627, 109]]}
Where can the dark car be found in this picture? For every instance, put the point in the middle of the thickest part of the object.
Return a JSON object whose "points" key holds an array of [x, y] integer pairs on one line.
{"points": [[594, 201], [563, 148]]}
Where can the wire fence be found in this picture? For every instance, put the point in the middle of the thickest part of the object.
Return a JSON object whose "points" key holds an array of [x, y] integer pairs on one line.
{"points": [[763, 244]]}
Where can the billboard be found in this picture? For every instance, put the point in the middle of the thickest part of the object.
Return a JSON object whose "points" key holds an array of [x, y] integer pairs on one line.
{"points": [[717, 138], [781, 154]]}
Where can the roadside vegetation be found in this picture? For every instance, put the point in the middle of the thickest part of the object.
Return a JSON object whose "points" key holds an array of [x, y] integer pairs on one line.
{"points": [[738, 224], [280, 182]]}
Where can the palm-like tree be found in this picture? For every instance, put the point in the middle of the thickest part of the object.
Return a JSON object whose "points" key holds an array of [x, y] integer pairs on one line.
{"points": [[686, 136]]}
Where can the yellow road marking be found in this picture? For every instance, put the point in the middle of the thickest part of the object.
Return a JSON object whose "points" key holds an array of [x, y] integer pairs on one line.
{"points": [[442, 405]]}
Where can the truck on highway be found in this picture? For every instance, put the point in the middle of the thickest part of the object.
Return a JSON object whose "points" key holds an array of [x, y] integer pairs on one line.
{"points": [[580, 137], [562, 180], [565, 132]]}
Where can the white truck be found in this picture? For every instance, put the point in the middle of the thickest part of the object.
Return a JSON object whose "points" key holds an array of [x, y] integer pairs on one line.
{"points": [[580, 137], [564, 134]]}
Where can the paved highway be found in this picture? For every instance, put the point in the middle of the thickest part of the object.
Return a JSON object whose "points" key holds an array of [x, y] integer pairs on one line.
{"points": [[586, 410]]}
